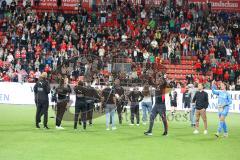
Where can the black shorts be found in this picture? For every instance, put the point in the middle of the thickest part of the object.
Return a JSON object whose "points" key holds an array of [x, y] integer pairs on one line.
{"points": [[54, 99], [186, 105], [173, 103]]}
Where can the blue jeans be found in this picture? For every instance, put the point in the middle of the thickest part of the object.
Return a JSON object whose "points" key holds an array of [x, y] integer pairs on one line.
{"points": [[110, 111], [84, 19], [192, 115], [146, 107], [165, 56], [103, 19], [185, 52]]}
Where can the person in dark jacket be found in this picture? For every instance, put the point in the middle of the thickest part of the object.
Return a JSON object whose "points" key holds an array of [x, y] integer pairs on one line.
{"points": [[159, 106], [53, 97], [41, 91], [92, 97], [135, 97], [119, 91], [80, 104], [63, 93], [109, 103], [201, 100], [173, 100], [186, 100]]}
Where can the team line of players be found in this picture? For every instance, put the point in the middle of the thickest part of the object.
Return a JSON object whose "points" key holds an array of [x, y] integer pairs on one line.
{"points": [[114, 99]]}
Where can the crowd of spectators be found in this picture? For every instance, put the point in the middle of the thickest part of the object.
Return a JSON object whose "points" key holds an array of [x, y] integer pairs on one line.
{"points": [[90, 43]]}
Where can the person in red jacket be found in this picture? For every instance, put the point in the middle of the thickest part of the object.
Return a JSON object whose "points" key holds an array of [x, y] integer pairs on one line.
{"points": [[214, 71], [198, 66], [1, 63], [23, 53], [6, 78], [17, 54], [220, 72], [212, 52], [63, 46], [47, 68], [226, 76], [54, 45]]}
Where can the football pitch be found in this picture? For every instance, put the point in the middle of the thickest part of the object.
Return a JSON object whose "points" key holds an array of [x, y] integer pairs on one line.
{"points": [[19, 140]]}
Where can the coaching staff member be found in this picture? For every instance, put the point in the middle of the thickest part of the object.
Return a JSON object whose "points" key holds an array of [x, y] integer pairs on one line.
{"points": [[92, 97], [41, 91], [135, 97], [119, 91], [63, 92], [80, 104], [201, 99], [159, 106]]}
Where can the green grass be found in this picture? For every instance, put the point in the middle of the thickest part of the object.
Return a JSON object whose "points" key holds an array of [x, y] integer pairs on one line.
{"points": [[19, 140]]}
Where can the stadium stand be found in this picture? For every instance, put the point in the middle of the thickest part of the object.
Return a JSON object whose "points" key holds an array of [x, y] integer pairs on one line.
{"points": [[183, 42]]}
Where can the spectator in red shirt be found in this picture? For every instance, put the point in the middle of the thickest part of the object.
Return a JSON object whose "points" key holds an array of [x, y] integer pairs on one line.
{"points": [[6, 77], [220, 73], [47, 68], [198, 66], [212, 52], [17, 54], [23, 53], [214, 71], [63, 46], [38, 50], [1, 63], [226, 76], [54, 44]]}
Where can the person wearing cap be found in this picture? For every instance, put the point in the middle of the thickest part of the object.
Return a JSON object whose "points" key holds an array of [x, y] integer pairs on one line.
{"points": [[41, 91], [80, 104], [63, 92]]}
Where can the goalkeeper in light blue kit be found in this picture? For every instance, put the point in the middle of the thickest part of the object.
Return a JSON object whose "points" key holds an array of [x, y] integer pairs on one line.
{"points": [[224, 102]]}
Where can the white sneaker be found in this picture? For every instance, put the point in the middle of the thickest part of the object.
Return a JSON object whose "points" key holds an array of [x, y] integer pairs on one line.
{"points": [[138, 124], [59, 127], [131, 124], [196, 132], [108, 129], [144, 123], [225, 135], [114, 128], [205, 132]]}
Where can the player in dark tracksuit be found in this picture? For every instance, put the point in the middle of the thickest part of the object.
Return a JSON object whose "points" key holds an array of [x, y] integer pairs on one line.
{"points": [[186, 100], [173, 100], [159, 107], [119, 91], [135, 97], [80, 104], [53, 98], [41, 91], [92, 97], [63, 92]]}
